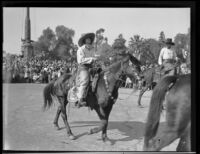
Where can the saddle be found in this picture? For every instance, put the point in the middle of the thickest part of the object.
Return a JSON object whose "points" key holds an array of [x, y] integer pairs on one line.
{"points": [[94, 77]]}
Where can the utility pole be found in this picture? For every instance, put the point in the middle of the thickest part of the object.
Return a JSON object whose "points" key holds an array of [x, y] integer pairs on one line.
{"points": [[27, 47]]}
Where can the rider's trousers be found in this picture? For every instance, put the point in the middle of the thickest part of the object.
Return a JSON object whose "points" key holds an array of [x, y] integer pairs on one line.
{"points": [[169, 68], [82, 81]]}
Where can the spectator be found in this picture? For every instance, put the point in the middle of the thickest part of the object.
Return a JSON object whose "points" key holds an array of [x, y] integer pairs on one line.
{"points": [[128, 83]]}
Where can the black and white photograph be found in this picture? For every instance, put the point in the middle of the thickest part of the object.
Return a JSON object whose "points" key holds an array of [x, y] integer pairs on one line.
{"points": [[97, 79]]}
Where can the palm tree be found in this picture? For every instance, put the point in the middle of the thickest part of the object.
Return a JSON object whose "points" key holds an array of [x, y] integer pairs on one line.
{"points": [[135, 45]]}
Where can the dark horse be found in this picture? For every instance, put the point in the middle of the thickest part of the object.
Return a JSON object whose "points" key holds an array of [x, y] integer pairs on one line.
{"points": [[176, 91], [149, 77], [101, 100]]}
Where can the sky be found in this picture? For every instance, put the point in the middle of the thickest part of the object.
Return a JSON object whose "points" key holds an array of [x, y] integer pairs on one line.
{"points": [[146, 22]]}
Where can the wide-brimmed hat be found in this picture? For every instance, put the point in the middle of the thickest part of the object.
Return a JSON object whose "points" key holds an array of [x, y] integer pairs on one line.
{"points": [[169, 41], [85, 36]]}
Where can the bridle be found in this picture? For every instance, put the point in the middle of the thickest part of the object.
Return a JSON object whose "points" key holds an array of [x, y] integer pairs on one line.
{"points": [[117, 77]]}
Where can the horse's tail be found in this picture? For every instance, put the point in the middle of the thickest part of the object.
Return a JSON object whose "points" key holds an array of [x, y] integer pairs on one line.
{"points": [[47, 94], [155, 109]]}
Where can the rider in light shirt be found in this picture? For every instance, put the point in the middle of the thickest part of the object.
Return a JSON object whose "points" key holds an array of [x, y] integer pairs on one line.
{"points": [[167, 58], [85, 58]]}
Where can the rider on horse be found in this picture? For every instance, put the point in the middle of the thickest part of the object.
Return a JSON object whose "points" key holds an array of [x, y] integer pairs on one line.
{"points": [[167, 58], [85, 58]]}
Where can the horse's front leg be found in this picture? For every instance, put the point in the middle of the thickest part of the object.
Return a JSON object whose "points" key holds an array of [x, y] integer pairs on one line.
{"points": [[104, 130], [103, 121], [103, 114], [102, 127]]}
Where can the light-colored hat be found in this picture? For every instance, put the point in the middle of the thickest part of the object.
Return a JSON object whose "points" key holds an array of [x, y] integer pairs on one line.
{"points": [[85, 36]]}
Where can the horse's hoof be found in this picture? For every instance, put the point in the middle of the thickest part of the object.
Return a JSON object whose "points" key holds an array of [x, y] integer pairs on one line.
{"points": [[56, 127], [140, 106], [90, 132], [72, 137], [106, 140]]}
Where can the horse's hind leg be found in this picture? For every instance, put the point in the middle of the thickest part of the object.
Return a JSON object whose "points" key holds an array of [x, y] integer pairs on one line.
{"points": [[57, 117], [64, 117], [185, 142]]}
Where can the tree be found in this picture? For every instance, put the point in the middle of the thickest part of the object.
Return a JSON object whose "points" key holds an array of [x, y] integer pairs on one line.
{"points": [[188, 40], [44, 42], [55, 45], [161, 39], [144, 49], [101, 45], [99, 38], [135, 45], [154, 50], [99, 33], [65, 34], [180, 41], [64, 42], [119, 45], [188, 60]]}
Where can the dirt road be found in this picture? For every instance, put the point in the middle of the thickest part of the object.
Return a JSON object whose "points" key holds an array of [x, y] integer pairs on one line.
{"points": [[27, 127]]}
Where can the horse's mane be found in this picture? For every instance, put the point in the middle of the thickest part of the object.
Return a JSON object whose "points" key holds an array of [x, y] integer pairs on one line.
{"points": [[134, 60], [124, 58]]}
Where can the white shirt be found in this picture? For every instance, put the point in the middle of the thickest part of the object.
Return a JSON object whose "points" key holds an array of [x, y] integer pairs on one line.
{"points": [[166, 53], [59, 73], [35, 77], [84, 55], [128, 80]]}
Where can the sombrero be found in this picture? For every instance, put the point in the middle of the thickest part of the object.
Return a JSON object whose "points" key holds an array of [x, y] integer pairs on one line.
{"points": [[84, 36], [169, 41]]}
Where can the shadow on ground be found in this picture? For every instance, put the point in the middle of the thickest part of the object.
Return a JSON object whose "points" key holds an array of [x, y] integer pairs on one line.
{"points": [[132, 130]]}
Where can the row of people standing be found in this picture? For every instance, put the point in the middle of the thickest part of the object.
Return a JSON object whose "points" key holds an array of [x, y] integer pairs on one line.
{"points": [[34, 70]]}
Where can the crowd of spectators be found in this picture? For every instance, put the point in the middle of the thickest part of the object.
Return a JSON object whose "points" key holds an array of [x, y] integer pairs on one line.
{"points": [[34, 71], [18, 70]]}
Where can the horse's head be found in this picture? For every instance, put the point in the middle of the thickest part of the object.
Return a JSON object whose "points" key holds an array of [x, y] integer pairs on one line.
{"points": [[122, 67], [133, 70]]}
